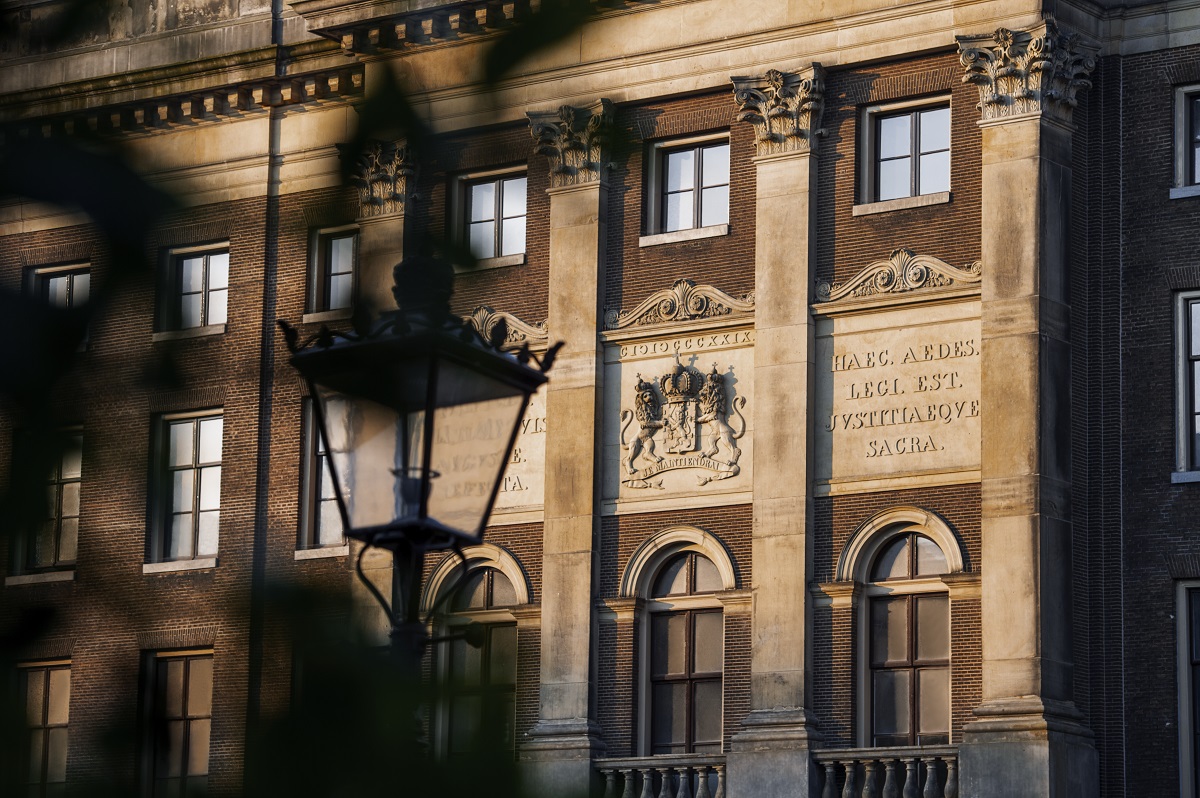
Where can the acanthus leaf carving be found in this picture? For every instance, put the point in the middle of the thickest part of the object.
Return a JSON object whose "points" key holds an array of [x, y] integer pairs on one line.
{"points": [[384, 174], [1027, 72], [514, 332], [575, 140], [784, 107], [903, 271], [683, 301]]}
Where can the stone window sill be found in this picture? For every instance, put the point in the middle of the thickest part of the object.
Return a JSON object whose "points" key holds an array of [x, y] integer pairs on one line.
{"points": [[327, 315], [1182, 192], [191, 332], [678, 236], [1179, 477], [919, 201], [179, 565], [495, 263], [40, 578], [321, 553]]}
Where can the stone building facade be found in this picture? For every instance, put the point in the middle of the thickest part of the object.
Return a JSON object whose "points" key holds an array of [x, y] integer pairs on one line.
{"points": [[870, 458]]}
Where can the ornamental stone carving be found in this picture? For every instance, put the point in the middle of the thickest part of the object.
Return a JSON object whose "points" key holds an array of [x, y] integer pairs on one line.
{"points": [[575, 140], [516, 332], [903, 271], [384, 175], [1027, 72], [784, 108], [683, 301]]}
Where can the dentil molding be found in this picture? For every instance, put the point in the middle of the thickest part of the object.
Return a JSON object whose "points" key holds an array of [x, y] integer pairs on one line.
{"points": [[784, 108], [575, 140], [683, 301], [384, 175], [1036, 71], [903, 271]]}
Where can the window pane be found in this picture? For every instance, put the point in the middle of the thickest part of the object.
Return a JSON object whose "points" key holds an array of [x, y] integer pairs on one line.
{"points": [[667, 643], [70, 499], [191, 275], [210, 525], [930, 560], [466, 663], [708, 579], [715, 166], [211, 430], [189, 311], [708, 649], [895, 136], [327, 487], [483, 239], [56, 755], [935, 173], [672, 578], [43, 554], [889, 631], [200, 679], [217, 307], [68, 540], [339, 291], [35, 697], [465, 713], [329, 528], [172, 673], [81, 289], [181, 444], [681, 170], [503, 594], [472, 594], [933, 700], [714, 207], [60, 697], [179, 545], [341, 255], [172, 762], [1194, 596], [37, 738], [210, 488], [706, 712], [72, 457], [892, 562], [197, 759], [502, 658], [933, 627], [935, 130], [482, 202], [514, 197], [512, 236], [895, 179], [679, 212], [218, 270], [669, 714], [1194, 312], [57, 293], [181, 490], [891, 702]]}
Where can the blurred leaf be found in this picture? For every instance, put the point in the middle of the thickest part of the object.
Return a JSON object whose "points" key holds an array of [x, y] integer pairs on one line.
{"points": [[554, 21]]}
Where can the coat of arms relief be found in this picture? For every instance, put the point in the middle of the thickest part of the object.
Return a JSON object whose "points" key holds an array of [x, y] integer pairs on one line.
{"points": [[682, 412]]}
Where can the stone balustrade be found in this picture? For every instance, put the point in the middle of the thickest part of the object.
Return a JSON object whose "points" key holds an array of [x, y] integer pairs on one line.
{"points": [[665, 776], [922, 772]]}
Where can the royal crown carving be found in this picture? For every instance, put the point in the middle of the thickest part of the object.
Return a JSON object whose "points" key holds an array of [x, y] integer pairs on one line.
{"points": [[683, 301], [384, 175], [1027, 72], [903, 271], [516, 332], [784, 108], [575, 140]]}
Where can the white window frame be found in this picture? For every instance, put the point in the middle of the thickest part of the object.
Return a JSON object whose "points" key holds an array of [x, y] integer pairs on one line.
{"points": [[169, 328], [654, 234], [46, 665], [35, 286], [1185, 469], [1181, 186], [309, 507], [867, 147], [317, 275], [458, 213], [1183, 668], [156, 560]]}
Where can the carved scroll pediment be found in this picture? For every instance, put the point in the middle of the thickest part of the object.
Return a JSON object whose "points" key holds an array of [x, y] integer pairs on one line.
{"points": [[517, 332], [683, 301], [902, 272]]}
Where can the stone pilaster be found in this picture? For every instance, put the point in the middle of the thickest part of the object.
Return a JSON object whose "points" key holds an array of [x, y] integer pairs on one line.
{"points": [[558, 756], [1027, 723], [770, 753], [385, 175]]}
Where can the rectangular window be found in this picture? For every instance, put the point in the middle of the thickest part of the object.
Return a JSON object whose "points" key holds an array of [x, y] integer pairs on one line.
{"points": [[321, 522], [1187, 360], [197, 293], [190, 514], [52, 544], [1187, 142], [64, 286], [45, 688], [906, 152], [691, 182], [181, 687], [493, 215], [331, 281]]}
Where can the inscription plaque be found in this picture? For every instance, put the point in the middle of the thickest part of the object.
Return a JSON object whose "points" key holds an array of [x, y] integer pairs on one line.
{"points": [[524, 481]]}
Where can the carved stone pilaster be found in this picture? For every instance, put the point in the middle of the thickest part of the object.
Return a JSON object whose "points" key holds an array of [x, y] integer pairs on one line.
{"points": [[784, 108], [575, 140], [384, 174], [1038, 71]]}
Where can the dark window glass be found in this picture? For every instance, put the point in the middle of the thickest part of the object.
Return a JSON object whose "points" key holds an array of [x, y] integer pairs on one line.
{"points": [[321, 519], [46, 690], [53, 544], [181, 723], [1194, 661], [495, 216], [695, 187], [910, 670], [192, 487], [1192, 322], [199, 289], [911, 153], [1193, 102], [65, 288], [333, 274]]}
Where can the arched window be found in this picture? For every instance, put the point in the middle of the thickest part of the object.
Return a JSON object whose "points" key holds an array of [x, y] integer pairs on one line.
{"points": [[908, 643], [686, 657]]}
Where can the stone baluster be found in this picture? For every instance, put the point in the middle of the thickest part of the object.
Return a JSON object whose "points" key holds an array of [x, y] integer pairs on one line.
{"points": [[702, 790], [910, 779], [628, 776], [891, 788], [932, 785], [648, 783], [830, 790], [664, 791], [685, 783], [848, 789], [721, 783], [951, 777], [871, 779], [610, 783]]}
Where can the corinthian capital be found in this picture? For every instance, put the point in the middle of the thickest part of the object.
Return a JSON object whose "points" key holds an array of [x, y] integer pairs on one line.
{"points": [[1038, 71], [575, 140], [784, 108], [385, 175]]}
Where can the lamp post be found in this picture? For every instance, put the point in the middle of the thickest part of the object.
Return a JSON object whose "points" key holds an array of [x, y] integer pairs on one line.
{"points": [[418, 415]]}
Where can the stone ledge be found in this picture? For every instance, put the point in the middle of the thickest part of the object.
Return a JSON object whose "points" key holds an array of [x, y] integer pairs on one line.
{"points": [[919, 201], [40, 579], [679, 236], [493, 263], [323, 553], [1183, 192], [179, 565], [323, 316], [1182, 477], [191, 332]]}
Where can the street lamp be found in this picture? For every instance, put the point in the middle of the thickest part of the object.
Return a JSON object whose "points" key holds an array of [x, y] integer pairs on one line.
{"points": [[418, 415]]}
